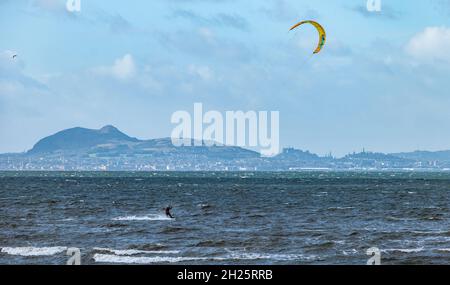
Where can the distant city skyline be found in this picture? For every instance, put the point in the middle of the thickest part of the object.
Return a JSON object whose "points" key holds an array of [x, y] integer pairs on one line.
{"points": [[109, 149], [380, 83]]}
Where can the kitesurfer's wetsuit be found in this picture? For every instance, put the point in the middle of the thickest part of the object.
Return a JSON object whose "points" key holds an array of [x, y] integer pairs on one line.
{"points": [[168, 214]]}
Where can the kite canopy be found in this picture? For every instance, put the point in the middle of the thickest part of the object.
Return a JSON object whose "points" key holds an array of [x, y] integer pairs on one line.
{"points": [[320, 29]]}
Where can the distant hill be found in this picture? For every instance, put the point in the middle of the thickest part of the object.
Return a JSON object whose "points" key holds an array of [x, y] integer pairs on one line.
{"points": [[110, 142], [109, 149], [296, 154], [443, 156], [77, 139], [371, 156]]}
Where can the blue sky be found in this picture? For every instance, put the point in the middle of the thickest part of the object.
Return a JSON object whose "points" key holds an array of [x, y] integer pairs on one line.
{"points": [[381, 82]]}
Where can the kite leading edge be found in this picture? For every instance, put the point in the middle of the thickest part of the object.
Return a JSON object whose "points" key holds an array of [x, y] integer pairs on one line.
{"points": [[320, 29]]}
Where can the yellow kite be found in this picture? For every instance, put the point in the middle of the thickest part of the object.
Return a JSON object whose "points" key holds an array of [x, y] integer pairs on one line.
{"points": [[320, 29]]}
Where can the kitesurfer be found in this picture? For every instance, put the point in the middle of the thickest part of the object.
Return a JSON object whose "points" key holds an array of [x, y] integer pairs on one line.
{"points": [[167, 210]]}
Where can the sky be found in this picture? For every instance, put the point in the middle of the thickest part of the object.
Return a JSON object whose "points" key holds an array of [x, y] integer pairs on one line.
{"points": [[381, 82]]}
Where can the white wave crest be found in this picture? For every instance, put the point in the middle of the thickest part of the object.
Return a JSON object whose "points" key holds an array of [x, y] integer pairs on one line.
{"points": [[113, 258], [125, 252], [404, 250], [33, 251], [144, 218]]}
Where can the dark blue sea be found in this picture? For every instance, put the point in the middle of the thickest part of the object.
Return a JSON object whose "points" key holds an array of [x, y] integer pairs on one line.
{"points": [[225, 218]]}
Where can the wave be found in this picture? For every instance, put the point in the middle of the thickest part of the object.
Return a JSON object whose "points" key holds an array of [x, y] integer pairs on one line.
{"points": [[111, 258], [404, 250], [169, 230], [125, 252], [430, 232], [400, 219], [204, 206], [115, 225], [210, 243], [432, 218], [340, 208], [148, 246], [33, 251], [443, 249], [312, 230], [350, 252], [143, 218], [276, 257], [121, 259]]}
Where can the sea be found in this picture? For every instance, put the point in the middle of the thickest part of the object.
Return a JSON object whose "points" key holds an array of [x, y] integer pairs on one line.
{"points": [[225, 218]]}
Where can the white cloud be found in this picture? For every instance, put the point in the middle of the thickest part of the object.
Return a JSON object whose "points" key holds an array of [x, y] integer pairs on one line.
{"points": [[432, 44], [206, 34], [12, 71], [55, 6], [204, 72], [123, 68]]}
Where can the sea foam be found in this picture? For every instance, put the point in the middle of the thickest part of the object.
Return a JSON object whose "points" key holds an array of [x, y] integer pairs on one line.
{"points": [[144, 218], [33, 251], [128, 252]]}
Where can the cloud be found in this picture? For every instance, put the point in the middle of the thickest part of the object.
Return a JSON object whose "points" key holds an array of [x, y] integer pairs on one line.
{"points": [[55, 7], [119, 24], [281, 10], [20, 94], [441, 6], [203, 43], [11, 72], [123, 68], [284, 11], [204, 72], [126, 76], [204, 1], [49, 4], [386, 12], [432, 44], [220, 19]]}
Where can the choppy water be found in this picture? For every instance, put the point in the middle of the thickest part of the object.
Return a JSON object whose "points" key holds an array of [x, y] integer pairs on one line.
{"points": [[225, 218]]}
